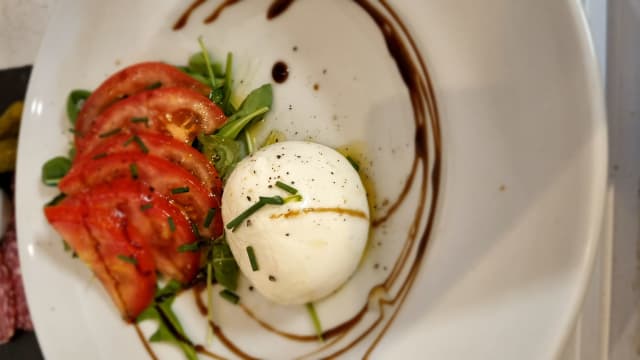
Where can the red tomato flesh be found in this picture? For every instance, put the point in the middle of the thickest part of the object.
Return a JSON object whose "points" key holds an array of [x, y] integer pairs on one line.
{"points": [[130, 81], [162, 146], [178, 112], [98, 235], [168, 179]]}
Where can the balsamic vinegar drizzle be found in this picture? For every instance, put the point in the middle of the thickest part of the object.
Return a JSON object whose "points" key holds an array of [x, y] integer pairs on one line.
{"points": [[415, 75]]}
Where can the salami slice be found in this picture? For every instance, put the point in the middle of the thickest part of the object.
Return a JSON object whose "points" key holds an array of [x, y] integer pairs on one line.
{"points": [[10, 252], [7, 303]]}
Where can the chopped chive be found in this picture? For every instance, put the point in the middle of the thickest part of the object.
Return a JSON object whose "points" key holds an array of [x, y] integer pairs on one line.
{"points": [[353, 163], [172, 225], [146, 206], [137, 120], [141, 144], [129, 141], [134, 170], [209, 217], [316, 320], [195, 230], [233, 224], [287, 188], [99, 156], [180, 190], [296, 197], [110, 132], [230, 296], [252, 258], [192, 247], [128, 259], [273, 200], [155, 85]]}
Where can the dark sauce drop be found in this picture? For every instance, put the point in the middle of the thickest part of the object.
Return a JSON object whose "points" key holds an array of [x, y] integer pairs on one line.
{"points": [[280, 72], [277, 8]]}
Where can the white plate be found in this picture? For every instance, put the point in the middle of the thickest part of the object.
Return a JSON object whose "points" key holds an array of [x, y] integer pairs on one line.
{"points": [[524, 166]]}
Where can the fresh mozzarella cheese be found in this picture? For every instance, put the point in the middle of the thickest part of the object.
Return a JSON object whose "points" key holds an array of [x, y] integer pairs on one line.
{"points": [[305, 249]]}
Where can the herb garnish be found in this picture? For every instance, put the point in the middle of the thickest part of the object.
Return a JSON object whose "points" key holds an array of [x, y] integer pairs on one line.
{"points": [[180, 190], [128, 259], [225, 268], [110, 133], [56, 200], [55, 169], [134, 170], [252, 258], [274, 200], [154, 86], [287, 188], [230, 296], [353, 163], [172, 225], [315, 319], [169, 328], [146, 206], [137, 120], [99, 156], [209, 218], [75, 101]]}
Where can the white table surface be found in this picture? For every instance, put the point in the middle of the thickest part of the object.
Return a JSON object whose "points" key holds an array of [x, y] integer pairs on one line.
{"points": [[608, 327]]}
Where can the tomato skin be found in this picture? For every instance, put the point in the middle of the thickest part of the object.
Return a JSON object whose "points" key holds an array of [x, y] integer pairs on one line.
{"points": [[179, 112], [161, 175], [148, 215], [130, 81], [162, 146], [97, 235]]}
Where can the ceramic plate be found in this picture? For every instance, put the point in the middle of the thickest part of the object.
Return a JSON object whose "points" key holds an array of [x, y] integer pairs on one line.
{"points": [[482, 136]]}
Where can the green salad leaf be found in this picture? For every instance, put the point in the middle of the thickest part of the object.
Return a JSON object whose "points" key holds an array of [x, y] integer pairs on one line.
{"points": [[222, 152], [55, 169], [225, 268], [75, 101], [169, 328]]}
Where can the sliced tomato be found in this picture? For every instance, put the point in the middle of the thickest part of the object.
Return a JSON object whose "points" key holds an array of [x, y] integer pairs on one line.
{"points": [[153, 219], [165, 177], [98, 235], [162, 146], [178, 112], [130, 81]]}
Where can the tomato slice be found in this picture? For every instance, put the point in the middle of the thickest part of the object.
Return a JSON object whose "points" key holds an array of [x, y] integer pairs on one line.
{"points": [[162, 146], [177, 112], [168, 179], [152, 218], [130, 81], [98, 235]]}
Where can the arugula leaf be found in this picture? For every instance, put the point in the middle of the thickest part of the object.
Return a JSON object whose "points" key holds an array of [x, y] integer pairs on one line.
{"points": [[223, 153], [55, 169], [225, 268], [198, 65], [169, 328], [75, 101], [253, 108]]}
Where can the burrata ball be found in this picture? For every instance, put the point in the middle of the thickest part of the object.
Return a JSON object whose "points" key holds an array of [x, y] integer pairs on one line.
{"points": [[306, 248]]}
